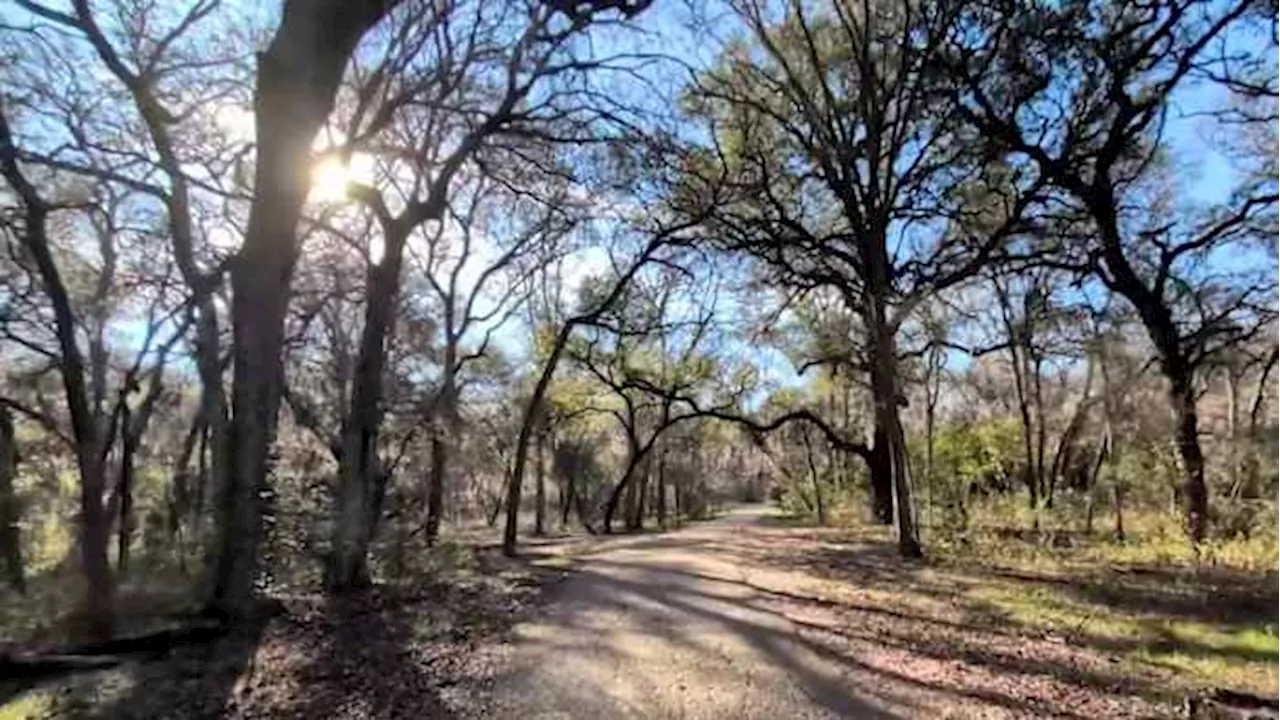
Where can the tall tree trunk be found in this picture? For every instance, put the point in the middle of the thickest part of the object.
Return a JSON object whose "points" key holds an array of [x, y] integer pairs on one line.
{"points": [[885, 390], [880, 471], [1042, 433], [298, 78], [360, 469], [639, 494], [531, 412], [99, 613], [1250, 489], [212, 478], [10, 511], [125, 530], [1234, 377], [568, 496], [540, 485], [930, 417]]}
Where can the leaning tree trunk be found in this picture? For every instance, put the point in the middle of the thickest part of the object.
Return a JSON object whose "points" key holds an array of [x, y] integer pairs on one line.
{"points": [[540, 485], [531, 413], [298, 78], [1158, 321], [10, 512], [623, 487], [90, 445]]}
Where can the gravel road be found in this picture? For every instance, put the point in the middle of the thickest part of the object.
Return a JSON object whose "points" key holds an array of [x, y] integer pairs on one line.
{"points": [[690, 624]]}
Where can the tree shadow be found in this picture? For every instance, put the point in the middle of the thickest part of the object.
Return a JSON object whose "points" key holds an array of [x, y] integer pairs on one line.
{"points": [[685, 609], [189, 680], [976, 644], [1218, 596], [377, 653], [1230, 599]]}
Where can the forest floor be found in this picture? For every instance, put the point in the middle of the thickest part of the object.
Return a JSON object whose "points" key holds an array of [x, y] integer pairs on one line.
{"points": [[745, 616]]}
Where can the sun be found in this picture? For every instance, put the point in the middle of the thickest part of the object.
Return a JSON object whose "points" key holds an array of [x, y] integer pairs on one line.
{"points": [[329, 180]]}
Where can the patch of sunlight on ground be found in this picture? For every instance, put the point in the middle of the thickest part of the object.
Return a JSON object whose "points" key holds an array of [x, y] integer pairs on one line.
{"points": [[32, 705]]}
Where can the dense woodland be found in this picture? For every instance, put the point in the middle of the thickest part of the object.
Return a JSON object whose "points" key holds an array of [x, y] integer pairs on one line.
{"points": [[292, 297]]}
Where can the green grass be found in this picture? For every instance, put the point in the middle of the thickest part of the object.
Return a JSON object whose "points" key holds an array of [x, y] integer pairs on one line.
{"points": [[1238, 655], [34, 704], [1201, 618], [1155, 602]]}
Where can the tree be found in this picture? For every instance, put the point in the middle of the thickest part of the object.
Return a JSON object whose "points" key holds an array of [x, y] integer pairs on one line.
{"points": [[297, 80], [1096, 134], [595, 304], [161, 63], [855, 176], [77, 311], [648, 355]]}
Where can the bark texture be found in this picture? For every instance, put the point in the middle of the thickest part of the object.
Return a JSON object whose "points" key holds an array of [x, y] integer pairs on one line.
{"points": [[10, 512]]}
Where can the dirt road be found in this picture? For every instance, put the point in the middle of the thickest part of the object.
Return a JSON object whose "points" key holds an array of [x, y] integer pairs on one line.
{"points": [[707, 623]]}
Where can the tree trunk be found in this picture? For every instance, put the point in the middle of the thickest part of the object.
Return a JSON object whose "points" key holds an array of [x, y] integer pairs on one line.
{"points": [[360, 470], [819, 503], [125, 529], [1194, 491], [435, 489], [638, 455], [1252, 465], [534, 407], [1117, 497], [99, 613], [880, 470], [1042, 435], [639, 493], [1234, 377], [885, 390], [10, 511], [212, 481], [662, 489], [1177, 367], [567, 497], [297, 80], [540, 485], [531, 413], [86, 430], [930, 413]]}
